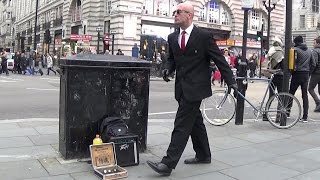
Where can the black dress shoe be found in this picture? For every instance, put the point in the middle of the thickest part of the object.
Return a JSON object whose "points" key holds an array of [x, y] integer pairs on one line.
{"points": [[197, 161], [160, 168]]}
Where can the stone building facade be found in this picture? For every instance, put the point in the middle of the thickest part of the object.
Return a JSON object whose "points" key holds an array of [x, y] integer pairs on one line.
{"points": [[147, 23], [306, 20]]}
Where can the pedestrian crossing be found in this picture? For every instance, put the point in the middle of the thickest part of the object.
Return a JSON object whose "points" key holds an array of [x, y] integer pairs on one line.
{"points": [[9, 80]]}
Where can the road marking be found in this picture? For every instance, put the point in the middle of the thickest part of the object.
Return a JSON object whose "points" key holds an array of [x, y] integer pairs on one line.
{"points": [[39, 89], [54, 82], [54, 79], [159, 113], [12, 79], [6, 81], [29, 120], [15, 156]]}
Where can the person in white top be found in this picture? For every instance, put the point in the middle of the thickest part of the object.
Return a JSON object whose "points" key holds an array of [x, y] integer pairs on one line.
{"points": [[50, 64]]}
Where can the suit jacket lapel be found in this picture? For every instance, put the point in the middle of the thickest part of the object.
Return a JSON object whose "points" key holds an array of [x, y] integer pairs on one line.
{"points": [[176, 38], [193, 36]]}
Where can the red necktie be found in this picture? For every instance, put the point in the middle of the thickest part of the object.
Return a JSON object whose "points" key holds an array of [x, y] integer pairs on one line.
{"points": [[183, 40]]}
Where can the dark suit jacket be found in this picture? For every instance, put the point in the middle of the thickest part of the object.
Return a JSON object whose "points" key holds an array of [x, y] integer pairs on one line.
{"points": [[192, 65]]}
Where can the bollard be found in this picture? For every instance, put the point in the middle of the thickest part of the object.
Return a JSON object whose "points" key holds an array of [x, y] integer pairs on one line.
{"points": [[242, 87]]}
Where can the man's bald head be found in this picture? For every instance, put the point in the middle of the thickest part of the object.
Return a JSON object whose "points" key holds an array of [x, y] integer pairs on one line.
{"points": [[184, 15]]}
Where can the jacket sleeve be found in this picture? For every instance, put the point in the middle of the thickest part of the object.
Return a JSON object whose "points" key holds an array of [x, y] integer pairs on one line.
{"points": [[215, 54], [314, 60], [170, 65]]}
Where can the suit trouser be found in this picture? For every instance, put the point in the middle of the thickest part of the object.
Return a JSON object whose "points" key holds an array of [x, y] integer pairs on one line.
{"points": [[301, 79], [188, 122], [314, 81]]}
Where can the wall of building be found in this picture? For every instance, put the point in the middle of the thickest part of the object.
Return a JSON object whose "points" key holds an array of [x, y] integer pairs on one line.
{"points": [[127, 17]]}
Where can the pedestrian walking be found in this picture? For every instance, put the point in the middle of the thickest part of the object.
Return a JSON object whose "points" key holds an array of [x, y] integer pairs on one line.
{"points": [[300, 77], [50, 64], [190, 51], [4, 64], [315, 75]]}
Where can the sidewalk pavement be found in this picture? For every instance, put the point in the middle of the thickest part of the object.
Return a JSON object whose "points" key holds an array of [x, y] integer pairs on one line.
{"points": [[253, 151]]}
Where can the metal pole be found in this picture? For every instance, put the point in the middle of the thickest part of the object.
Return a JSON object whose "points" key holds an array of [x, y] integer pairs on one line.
{"points": [[98, 44], [35, 26], [261, 51], [269, 9], [242, 72], [112, 47], [288, 41]]}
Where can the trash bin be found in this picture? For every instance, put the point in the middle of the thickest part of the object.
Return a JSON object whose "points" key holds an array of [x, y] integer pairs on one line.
{"points": [[95, 86]]}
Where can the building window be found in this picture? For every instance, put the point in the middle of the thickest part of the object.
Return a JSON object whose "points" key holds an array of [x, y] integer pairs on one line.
{"points": [[214, 12], [302, 21], [303, 3], [315, 6], [108, 6], [159, 7], [255, 20]]}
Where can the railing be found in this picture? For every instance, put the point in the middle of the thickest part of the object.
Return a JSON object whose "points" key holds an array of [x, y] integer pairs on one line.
{"points": [[76, 14]]}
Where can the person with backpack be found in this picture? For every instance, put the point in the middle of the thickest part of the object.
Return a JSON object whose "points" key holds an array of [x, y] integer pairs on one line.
{"points": [[300, 76], [315, 75]]}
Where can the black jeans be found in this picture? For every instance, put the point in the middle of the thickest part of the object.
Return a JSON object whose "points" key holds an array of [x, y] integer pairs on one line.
{"points": [[277, 83], [188, 122], [301, 79], [314, 81]]}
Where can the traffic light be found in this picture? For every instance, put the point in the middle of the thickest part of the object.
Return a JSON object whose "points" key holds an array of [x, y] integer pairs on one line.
{"points": [[259, 35]]}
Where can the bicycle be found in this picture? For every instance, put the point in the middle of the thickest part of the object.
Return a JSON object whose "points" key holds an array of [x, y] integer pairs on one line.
{"points": [[282, 110]]}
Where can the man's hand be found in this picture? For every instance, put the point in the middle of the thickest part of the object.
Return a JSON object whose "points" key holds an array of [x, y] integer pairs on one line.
{"points": [[235, 89], [165, 75]]}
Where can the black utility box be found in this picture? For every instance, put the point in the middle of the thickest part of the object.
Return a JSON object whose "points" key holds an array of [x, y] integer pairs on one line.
{"points": [[126, 149], [95, 86]]}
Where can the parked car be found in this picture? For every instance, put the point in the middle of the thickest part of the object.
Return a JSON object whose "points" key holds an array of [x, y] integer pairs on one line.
{"points": [[10, 61]]}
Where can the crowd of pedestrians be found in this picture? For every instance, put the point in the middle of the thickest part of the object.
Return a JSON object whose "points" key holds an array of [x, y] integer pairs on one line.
{"points": [[27, 63]]}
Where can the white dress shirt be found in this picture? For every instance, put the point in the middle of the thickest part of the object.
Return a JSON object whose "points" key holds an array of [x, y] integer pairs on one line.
{"points": [[186, 35]]}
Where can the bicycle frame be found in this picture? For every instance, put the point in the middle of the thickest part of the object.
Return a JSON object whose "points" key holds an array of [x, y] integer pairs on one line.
{"points": [[261, 110]]}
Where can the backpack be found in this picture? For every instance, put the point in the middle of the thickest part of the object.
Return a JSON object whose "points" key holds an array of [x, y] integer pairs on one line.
{"points": [[112, 127]]}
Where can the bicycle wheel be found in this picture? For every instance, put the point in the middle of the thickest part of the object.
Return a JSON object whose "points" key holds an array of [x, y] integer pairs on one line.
{"points": [[283, 110], [218, 115]]}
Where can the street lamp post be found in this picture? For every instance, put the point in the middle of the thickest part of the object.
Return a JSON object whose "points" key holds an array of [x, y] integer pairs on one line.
{"points": [[269, 9], [35, 27], [98, 29]]}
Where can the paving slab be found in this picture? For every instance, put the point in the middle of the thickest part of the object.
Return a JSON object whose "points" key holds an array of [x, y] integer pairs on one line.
{"points": [[156, 129], [48, 129], [210, 176], [310, 154], [183, 171], [261, 171], [313, 175], [158, 139], [228, 142], [55, 168], [85, 176], [283, 146], [38, 124], [60, 177], [27, 153], [18, 132], [241, 156], [261, 136], [45, 139], [143, 172], [296, 163], [10, 142], [6, 126], [22, 170], [311, 138]]}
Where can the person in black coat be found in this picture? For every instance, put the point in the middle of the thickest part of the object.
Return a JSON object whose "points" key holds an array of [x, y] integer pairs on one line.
{"points": [[190, 51]]}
